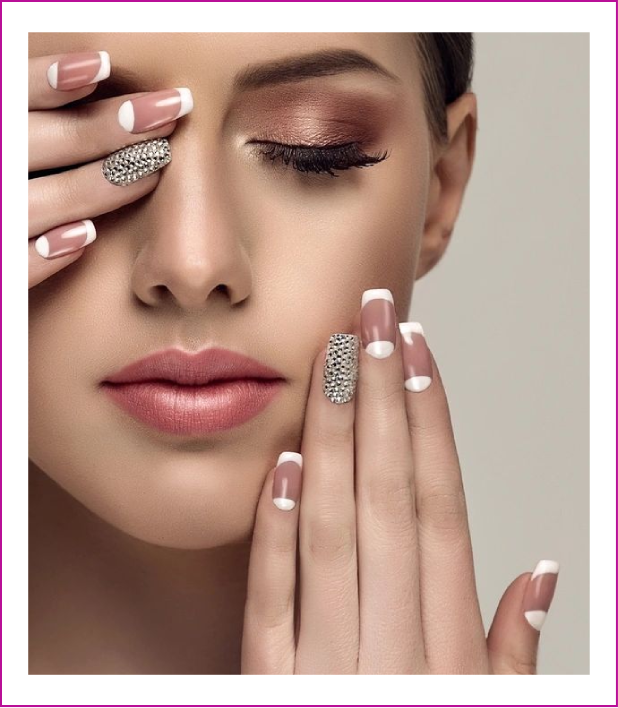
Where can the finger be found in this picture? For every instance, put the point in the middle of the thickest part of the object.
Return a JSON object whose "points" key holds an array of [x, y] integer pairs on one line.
{"points": [[328, 636], [71, 136], [39, 269], [58, 79], [390, 616], [452, 622], [79, 194], [513, 638], [268, 645]]}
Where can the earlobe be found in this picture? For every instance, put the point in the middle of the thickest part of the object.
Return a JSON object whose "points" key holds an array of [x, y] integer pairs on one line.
{"points": [[449, 179]]}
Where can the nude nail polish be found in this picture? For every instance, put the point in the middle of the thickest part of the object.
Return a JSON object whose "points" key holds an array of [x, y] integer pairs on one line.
{"points": [[378, 323], [65, 239], [416, 357], [540, 592], [78, 69], [287, 480], [138, 115]]}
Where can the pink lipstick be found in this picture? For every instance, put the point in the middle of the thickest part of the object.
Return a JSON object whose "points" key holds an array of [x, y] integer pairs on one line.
{"points": [[186, 393]]}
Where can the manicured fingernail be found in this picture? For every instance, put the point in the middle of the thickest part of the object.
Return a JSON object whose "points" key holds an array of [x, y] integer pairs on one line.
{"points": [[65, 239], [137, 115], [286, 481], [378, 322], [416, 358], [341, 368], [540, 591], [78, 69]]}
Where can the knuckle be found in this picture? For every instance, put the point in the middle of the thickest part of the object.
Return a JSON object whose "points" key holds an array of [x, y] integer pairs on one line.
{"points": [[66, 192], [334, 436], [442, 507], [390, 499], [270, 610], [524, 665], [272, 543], [331, 540]]}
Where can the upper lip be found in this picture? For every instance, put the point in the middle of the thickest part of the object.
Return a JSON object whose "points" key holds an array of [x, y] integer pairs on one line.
{"points": [[193, 368]]}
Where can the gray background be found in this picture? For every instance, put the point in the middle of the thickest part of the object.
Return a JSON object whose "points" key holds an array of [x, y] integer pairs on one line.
{"points": [[507, 315]]}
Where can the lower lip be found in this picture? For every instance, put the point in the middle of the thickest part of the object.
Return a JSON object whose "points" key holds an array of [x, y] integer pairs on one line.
{"points": [[194, 410]]}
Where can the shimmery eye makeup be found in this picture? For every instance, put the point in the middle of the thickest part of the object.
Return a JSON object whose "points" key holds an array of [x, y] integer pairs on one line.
{"points": [[319, 159]]}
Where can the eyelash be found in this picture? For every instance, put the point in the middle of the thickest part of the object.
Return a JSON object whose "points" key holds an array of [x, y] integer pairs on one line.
{"points": [[311, 158]]}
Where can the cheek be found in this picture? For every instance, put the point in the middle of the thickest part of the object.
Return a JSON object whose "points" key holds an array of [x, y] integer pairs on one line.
{"points": [[321, 243]]}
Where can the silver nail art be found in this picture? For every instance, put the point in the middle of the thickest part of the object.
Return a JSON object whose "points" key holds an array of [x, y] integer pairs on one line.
{"points": [[133, 162], [341, 367]]}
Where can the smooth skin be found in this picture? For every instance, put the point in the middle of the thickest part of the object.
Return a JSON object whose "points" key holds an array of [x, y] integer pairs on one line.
{"points": [[372, 571]]}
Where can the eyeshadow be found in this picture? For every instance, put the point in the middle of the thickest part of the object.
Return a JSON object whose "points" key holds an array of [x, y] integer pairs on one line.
{"points": [[315, 115]]}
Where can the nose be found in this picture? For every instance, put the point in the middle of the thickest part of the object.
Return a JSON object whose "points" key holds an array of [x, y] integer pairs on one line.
{"points": [[192, 249]]}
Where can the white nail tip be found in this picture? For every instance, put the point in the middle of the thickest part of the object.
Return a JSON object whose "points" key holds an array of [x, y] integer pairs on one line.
{"points": [[104, 68], [52, 75], [535, 618], [186, 101], [126, 116], [291, 457], [91, 232], [545, 566], [380, 350], [417, 383], [411, 327], [376, 293], [42, 246], [284, 504]]}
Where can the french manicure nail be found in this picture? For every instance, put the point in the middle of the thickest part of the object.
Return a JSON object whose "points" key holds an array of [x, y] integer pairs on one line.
{"points": [[540, 591], [341, 368], [137, 115], [78, 69], [378, 322], [65, 239], [416, 357], [287, 480]]}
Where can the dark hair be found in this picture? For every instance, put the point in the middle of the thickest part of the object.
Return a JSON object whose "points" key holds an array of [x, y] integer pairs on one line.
{"points": [[446, 63]]}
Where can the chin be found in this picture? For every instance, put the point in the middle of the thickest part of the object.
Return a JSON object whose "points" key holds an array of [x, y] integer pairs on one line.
{"points": [[176, 501]]}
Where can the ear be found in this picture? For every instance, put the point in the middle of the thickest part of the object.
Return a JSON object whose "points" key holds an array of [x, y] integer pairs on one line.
{"points": [[451, 171]]}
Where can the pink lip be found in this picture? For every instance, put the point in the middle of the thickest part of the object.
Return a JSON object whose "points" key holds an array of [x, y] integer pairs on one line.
{"points": [[194, 393]]}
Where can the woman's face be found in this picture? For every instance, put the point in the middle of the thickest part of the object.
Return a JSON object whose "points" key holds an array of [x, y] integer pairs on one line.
{"points": [[229, 250]]}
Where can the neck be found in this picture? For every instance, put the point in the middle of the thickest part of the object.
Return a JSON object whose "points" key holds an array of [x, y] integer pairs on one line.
{"points": [[102, 601]]}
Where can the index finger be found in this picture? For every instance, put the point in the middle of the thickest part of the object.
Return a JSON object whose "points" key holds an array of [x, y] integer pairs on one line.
{"points": [[57, 79]]}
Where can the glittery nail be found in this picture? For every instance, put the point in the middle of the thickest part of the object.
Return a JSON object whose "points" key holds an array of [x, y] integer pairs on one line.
{"points": [[341, 367]]}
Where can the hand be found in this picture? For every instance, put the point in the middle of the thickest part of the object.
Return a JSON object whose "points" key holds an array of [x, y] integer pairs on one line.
{"points": [[60, 205], [385, 568]]}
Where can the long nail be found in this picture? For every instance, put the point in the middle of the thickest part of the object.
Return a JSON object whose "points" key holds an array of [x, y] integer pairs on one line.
{"points": [[378, 322], [286, 481], [540, 591], [416, 357], [137, 115], [78, 69], [65, 239], [341, 368], [125, 166]]}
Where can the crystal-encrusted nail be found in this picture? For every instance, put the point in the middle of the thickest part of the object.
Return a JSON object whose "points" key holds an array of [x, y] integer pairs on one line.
{"points": [[133, 162], [341, 367]]}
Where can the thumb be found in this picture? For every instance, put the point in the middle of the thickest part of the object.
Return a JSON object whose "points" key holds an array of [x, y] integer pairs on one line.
{"points": [[513, 638]]}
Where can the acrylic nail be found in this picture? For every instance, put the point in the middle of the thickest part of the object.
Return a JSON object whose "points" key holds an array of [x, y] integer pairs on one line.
{"points": [[540, 591], [147, 112], [65, 239], [341, 367], [378, 322], [287, 480], [78, 69], [416, 357]]}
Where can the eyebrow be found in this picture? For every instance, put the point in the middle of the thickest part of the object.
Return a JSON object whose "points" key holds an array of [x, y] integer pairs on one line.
{"points": [[325, 62]]}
